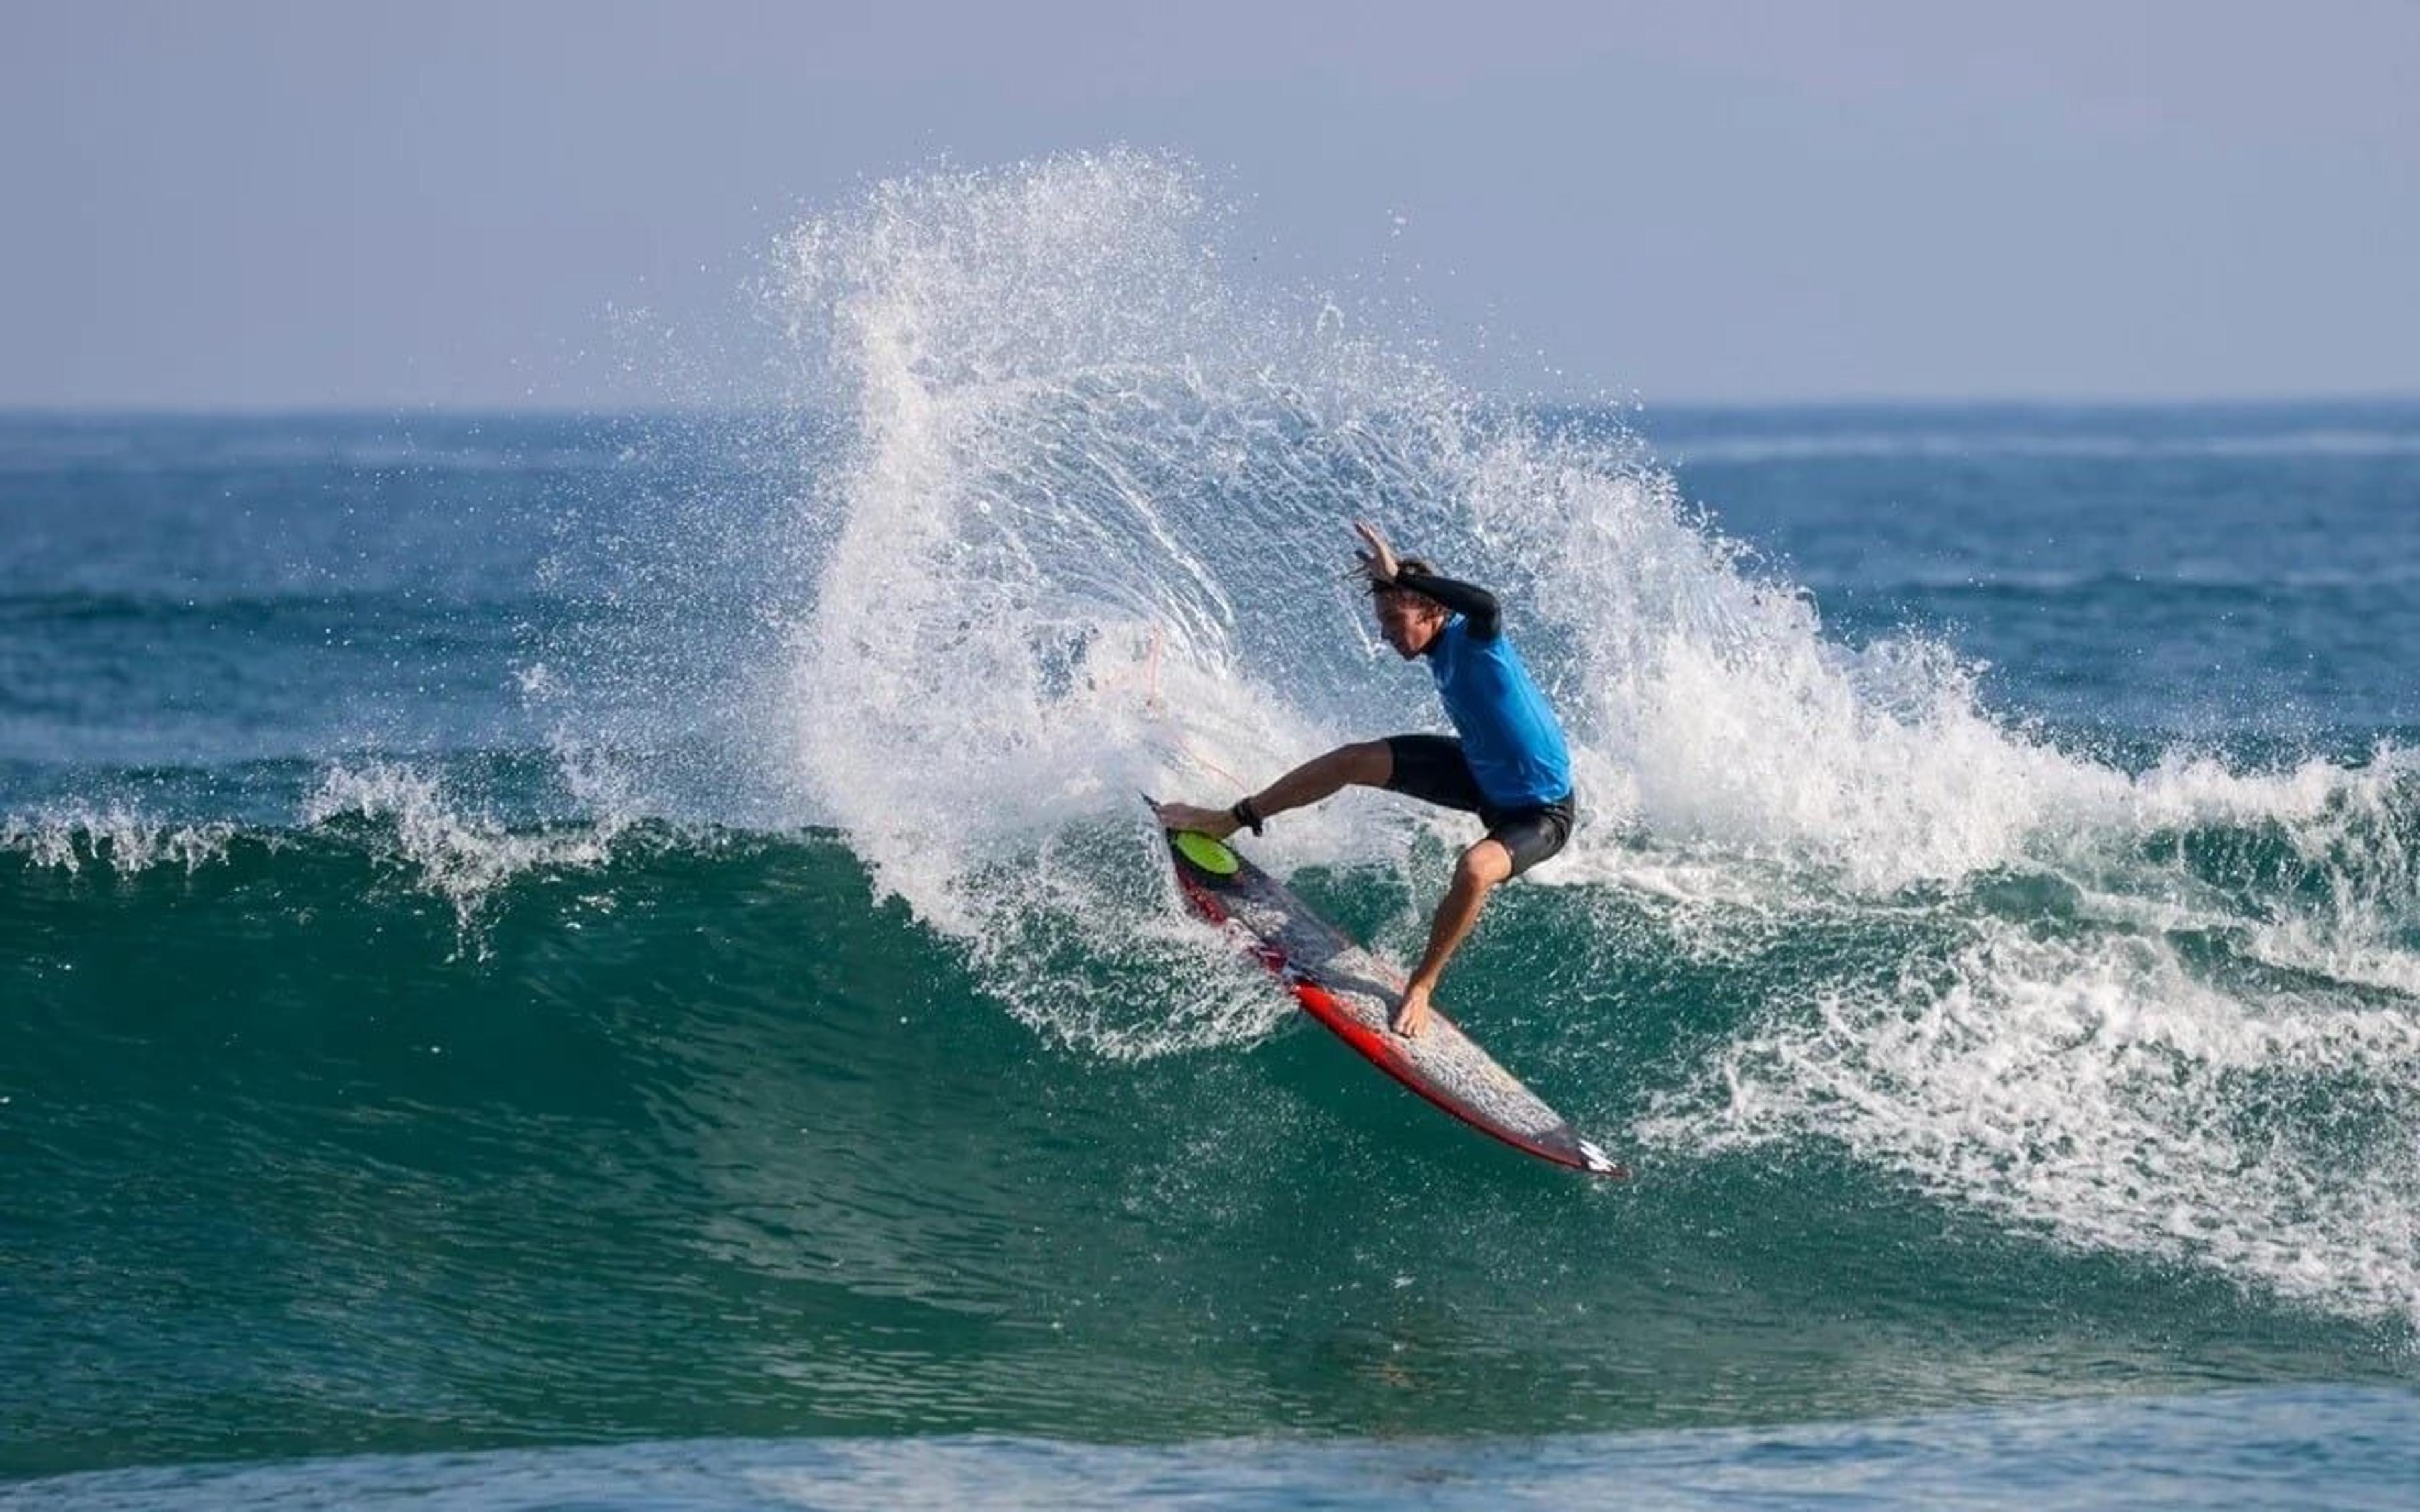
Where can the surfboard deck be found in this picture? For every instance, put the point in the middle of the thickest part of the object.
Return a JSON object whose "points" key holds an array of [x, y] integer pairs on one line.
{"points": [[1355, 994]]}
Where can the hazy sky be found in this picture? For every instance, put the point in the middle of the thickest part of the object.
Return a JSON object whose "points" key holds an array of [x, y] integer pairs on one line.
{"points": [[249, 205]]}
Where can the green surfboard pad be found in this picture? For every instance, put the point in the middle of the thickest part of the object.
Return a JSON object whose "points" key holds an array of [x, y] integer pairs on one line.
{"points": [[1207, 854]]}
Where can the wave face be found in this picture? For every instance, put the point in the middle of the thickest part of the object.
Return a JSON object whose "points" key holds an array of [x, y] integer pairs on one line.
{"points": [[526, 929]]}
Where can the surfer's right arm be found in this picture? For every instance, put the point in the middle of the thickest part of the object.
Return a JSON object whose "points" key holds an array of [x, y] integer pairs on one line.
{"points": [[1216, 823], [1367, 763]]}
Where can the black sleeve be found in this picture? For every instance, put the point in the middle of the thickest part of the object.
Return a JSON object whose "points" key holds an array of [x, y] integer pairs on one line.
{"points": [[1477, 605]]}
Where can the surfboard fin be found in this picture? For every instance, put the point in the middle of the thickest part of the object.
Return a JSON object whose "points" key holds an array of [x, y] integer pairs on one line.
{"points": [[1598, 1161]]}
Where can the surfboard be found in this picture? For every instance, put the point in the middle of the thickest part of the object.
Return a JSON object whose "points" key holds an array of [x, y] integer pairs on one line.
{"points": [[1355, 994]]}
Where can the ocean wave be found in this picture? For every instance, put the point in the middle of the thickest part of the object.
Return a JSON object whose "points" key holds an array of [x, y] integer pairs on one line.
{"points": [[2134, 1060]]}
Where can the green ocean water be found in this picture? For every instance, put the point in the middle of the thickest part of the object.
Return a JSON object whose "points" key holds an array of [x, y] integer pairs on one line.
{"points": [[696, 1138]]}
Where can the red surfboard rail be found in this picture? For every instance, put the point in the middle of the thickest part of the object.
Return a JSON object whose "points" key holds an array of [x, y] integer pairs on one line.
{"points": [[1352, 993]]}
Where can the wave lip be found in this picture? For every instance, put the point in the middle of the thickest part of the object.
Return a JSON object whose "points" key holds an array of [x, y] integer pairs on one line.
{"points": [[75, 837]]}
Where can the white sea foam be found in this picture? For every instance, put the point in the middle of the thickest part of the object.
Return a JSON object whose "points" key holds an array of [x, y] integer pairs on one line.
{"points": [[2098, 1090], [1036, 602], [116, 839], [451, 849], [1090, 536]]}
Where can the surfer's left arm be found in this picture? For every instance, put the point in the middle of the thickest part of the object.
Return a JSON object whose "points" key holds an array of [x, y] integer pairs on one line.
{"points": [[1473, 603]]}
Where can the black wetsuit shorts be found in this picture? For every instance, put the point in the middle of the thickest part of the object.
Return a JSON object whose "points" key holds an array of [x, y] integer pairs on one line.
{"points": [[1431, 768]]}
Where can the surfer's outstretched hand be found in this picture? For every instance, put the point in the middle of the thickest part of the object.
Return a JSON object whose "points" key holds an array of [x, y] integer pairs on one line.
{"points": [[1412, 1016], [1379, 561], [1216, 823]]}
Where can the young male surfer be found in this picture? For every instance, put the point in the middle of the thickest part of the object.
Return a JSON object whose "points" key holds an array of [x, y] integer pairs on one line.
{"points": [[1509, 766]]}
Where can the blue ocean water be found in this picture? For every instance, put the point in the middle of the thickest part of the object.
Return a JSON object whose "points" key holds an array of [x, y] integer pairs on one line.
{"points": [[612, 960]]}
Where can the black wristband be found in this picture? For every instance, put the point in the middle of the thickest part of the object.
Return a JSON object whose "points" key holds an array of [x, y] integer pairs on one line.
{"points": [[1245, 815]]}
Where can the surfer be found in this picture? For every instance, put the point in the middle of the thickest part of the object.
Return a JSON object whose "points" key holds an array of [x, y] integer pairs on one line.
{"points": [[1506, 763]]}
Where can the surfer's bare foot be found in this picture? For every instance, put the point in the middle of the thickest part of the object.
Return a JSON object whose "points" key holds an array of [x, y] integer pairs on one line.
{"points": [[1413, 1015], [1216, 823]]}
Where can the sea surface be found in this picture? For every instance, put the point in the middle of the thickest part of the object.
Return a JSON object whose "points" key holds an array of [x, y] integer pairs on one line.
{"points": [[615, 960]]}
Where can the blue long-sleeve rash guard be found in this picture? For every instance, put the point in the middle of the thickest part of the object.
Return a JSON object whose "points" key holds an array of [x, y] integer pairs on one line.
{"points": [[1510, 736]]}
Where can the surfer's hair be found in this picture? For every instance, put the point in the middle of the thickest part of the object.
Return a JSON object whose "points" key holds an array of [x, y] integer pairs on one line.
{"points": [[1394, 585]]}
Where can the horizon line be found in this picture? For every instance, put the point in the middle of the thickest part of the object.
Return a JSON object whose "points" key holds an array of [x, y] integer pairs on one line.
{"points": [[441, 410]]}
